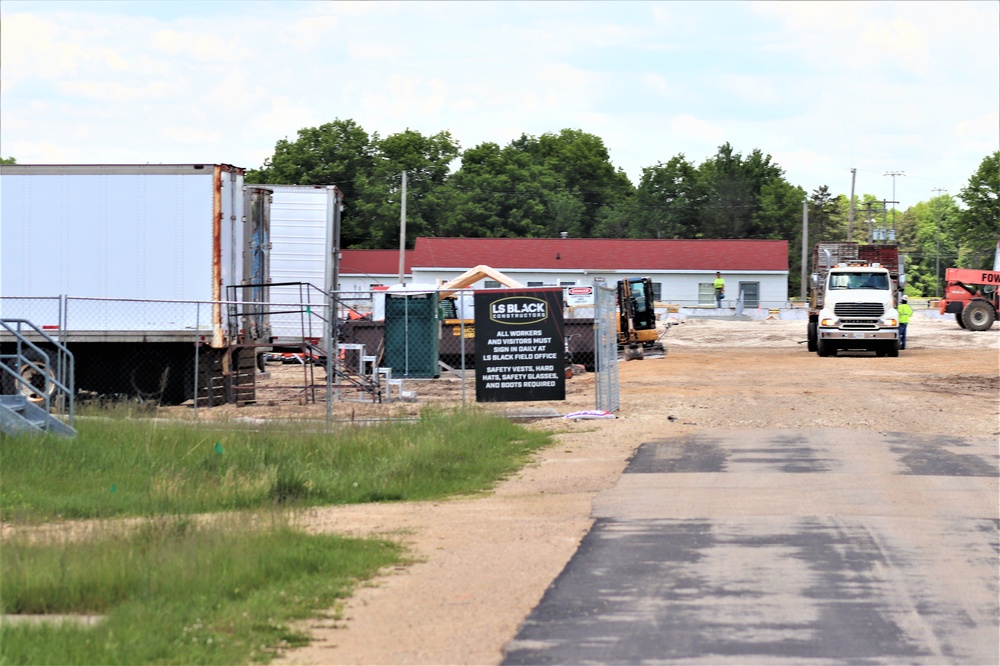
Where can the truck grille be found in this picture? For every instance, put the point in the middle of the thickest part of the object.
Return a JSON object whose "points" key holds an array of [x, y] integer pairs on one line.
{"points": [[859, 324], [859, 310]]}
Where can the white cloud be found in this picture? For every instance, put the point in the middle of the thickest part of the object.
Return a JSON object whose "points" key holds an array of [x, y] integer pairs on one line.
{"points": [[821, 87], [114, 91], [31, 49], [205, 47], [701, 131]]}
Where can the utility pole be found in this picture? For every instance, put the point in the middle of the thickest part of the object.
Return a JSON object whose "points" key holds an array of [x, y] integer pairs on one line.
{"points": [[893, 202], [402, 231], [805, 244], [937, 237], [850, 211], [885, 225]]}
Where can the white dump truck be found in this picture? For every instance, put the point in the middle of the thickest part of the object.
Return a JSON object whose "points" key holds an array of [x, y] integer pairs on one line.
{"points": [[852, 305]]}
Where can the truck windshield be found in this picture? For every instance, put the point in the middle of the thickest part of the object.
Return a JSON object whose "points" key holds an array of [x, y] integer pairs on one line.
{"points": [[859, 281]]}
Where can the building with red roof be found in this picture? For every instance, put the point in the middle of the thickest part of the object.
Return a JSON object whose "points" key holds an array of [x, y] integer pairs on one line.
{"points": [[682, 270]]}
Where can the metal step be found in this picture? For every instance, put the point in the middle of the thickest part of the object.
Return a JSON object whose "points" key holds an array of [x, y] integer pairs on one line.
{"points": [[18, 415]]}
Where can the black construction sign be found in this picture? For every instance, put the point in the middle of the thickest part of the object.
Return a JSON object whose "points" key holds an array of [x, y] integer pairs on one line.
{"points": [[520, 351]]}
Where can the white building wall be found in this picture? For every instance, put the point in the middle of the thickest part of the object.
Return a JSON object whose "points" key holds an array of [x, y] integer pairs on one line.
{"points": [[678, 287]]}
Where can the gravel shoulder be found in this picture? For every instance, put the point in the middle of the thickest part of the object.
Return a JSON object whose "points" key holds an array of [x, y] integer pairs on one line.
{"points": [[483, 562]]}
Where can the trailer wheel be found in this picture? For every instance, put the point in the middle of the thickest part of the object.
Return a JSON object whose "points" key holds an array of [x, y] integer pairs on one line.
{"points": [[147, 378], [978, 315], [34, 390], [813, 335], [824, 348], [958, 318]]}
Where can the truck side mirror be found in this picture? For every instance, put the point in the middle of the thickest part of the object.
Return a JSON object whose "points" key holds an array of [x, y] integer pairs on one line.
{"points": [[902, 280], [814, 280]]}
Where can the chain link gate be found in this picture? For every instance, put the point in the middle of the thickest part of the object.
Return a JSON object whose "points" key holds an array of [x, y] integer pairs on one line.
{"points": [[606, 345]]}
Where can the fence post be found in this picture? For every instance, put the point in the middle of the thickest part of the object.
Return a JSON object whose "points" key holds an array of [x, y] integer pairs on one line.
{"points": [[197, 348], [605, 347]]}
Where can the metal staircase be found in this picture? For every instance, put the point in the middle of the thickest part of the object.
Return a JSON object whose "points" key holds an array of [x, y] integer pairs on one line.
{"points": [[302, 325], [36, 382]]}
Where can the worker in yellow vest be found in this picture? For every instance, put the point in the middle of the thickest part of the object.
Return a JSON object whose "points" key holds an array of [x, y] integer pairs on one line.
{"points": [[905, 312], [720, 289]]}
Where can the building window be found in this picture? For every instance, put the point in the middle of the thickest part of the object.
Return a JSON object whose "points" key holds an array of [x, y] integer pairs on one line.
{"points": [[751, 294], [657, 290], [492, 284], [564, 283], [535, 284], [706, 293]]}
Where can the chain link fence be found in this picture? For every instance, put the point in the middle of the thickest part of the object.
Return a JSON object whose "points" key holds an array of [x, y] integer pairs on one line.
{"points": [[207, 353]]}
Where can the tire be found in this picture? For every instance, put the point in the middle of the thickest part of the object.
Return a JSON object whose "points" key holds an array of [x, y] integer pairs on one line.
{"points": [[978, 315], [892, 349], [824, 348], [36, 379], [146, 376], [958, 318], [813, 335]]}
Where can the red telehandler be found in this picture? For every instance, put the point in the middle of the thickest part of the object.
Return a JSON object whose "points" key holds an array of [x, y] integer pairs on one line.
{"points": [[973, 296]]}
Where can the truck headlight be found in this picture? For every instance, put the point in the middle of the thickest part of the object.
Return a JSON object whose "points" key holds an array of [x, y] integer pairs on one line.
{"points": [[828, 322], [890, 322]]}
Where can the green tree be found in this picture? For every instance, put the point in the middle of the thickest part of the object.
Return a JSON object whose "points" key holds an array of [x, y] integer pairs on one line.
{"points": [[582, 168], [978, 227], [926, 237], [8, 160], [338, 153], [427, 162], [499, 193], [667, 201], [368, 169], [733, 185]]}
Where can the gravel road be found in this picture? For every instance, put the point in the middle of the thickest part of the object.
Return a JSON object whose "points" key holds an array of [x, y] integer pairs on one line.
{"points": [[485, 561]]}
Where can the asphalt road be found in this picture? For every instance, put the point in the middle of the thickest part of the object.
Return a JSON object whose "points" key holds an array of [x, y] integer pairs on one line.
{"points": [[784, 547]]}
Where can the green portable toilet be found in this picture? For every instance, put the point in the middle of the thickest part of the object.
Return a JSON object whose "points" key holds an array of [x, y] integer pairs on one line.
{"points": [[411, 334]]}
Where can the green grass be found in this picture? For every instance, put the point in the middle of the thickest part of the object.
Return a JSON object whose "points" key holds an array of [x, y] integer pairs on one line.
{"points": [[133, 467], [177, 593], [183, 590]]}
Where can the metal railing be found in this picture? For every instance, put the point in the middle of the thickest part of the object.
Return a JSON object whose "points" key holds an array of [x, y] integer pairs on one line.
{"points": [[31, 371]]}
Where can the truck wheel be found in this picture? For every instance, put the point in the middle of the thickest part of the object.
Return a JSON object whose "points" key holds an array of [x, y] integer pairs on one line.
{"points": [[978, 316], [892, 349], [958, 318], [813, 334], [824, 348]]}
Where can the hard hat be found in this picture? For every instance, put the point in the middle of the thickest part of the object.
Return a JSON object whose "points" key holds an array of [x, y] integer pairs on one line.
{"points": [[903, 298]]}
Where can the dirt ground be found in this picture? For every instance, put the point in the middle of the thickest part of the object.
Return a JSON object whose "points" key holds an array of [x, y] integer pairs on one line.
{"points": [[482, 563]]}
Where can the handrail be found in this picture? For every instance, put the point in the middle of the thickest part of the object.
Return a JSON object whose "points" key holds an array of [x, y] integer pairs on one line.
{"points": [[14, 327]]}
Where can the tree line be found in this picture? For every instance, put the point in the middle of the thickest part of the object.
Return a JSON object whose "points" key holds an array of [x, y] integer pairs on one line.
{"points": [[541, 186]]}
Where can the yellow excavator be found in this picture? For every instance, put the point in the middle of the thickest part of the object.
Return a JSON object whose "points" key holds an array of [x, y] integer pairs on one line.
{"points": [[637, 318]]}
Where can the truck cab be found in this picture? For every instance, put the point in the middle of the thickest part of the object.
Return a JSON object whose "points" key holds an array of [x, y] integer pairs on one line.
{"points": [[858, 310]]}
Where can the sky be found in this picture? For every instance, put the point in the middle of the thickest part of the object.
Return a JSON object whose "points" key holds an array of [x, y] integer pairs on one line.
{"points": [[911, 88]]}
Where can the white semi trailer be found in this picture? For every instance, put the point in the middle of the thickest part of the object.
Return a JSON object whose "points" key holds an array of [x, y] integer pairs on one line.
{"points": [[305, 223], [142, 271]]}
